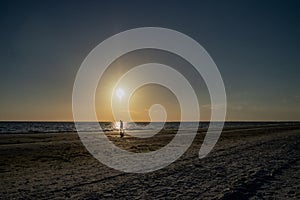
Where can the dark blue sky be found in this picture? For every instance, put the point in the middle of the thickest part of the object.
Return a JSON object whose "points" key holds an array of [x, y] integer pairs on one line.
{"points": [[255, 44]]}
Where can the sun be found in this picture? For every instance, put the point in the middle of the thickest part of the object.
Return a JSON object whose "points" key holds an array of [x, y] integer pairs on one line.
{"points": [[120, 93]]}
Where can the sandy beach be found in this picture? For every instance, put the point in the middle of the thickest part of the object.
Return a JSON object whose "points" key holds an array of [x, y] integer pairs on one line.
{"points": [[249, 163]]}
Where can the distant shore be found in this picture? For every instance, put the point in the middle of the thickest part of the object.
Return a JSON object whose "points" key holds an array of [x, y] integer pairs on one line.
{"points": [[253, 162]]}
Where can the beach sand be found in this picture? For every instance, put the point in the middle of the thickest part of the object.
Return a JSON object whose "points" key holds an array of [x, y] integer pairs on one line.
{"points": [[250, 163]]}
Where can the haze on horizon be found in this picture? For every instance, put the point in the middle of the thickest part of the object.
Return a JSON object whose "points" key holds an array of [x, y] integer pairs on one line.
{"points": [[255, 45]]}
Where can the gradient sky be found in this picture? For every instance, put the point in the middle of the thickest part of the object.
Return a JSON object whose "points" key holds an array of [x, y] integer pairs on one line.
{"points": [[255, 45]]}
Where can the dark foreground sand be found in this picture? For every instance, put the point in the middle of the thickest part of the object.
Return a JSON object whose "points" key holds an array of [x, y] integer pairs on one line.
{"points": [[253, 163]]}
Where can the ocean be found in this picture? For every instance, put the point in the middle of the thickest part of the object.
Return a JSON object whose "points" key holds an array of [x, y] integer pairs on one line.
{"points": [[63, 127]]}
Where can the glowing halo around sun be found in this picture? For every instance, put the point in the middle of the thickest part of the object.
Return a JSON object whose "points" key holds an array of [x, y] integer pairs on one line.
{"points": [[100, 58]]}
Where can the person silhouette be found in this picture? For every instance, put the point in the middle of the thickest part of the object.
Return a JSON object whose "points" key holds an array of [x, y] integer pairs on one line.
{"points": [[121, 129]]}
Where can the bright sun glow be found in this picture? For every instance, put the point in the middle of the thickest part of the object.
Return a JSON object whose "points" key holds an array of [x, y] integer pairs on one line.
{"points": [[120, 93]]}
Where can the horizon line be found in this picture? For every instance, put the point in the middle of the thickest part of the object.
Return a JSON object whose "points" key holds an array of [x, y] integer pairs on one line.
{"points": [[69, 121]]}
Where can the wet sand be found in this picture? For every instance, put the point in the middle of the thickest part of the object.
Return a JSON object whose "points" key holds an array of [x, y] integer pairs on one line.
{"points": [[250, 163]]}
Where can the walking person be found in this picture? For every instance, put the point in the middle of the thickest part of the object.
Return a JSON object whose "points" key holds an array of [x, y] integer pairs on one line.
{"points": [[121, 129]]}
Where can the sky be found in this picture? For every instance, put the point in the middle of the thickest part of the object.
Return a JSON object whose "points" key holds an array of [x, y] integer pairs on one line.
{"points": [[255, 45]]}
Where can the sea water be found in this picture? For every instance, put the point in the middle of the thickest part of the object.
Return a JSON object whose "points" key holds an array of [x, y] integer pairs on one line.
{"points": [[62, 127]]}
